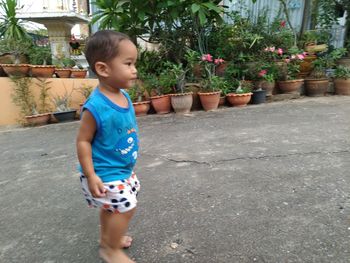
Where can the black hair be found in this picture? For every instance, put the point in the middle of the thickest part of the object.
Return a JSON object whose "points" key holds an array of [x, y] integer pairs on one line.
{"points": [[103, 46]]}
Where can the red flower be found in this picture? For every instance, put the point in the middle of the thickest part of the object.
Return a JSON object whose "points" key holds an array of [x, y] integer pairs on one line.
{"points": [[283, 23], [218, 61], [207, 57], [262, 73]]}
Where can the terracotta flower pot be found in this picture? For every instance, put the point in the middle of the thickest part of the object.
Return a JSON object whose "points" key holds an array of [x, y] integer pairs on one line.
{"points": [[239, 100], [182, 103], [342, 87], [142, 108], [18, 70], [266, 85], [39, 119], [306, 66], [316, 87], [210, 100], [220, 69], [78, 73], [290, 86], [194, 88], [42, 71], [312, 49], [63, 72], [2, 72], [161, 104], [222, 101], [345, 61]]}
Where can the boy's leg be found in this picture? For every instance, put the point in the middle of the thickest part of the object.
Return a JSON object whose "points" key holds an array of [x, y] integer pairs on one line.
{"points": [[125, 240], [113, 228]]}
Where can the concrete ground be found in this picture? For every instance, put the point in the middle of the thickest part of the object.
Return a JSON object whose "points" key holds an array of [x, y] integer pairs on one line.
{"points": [[264, 183]]}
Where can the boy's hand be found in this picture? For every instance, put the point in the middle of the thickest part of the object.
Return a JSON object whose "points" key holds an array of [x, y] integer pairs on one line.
{"points": [[96, 186]]}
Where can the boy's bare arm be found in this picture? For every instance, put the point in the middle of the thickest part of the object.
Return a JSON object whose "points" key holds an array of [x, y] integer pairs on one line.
{"points": [[85, 136]]}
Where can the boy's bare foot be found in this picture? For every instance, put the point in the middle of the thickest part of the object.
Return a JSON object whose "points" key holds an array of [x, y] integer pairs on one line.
{"points": [[117, 256], [126, 242]]}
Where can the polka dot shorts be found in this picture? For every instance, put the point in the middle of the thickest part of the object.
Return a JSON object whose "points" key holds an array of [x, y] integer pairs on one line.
{"points": [[120, 195]]}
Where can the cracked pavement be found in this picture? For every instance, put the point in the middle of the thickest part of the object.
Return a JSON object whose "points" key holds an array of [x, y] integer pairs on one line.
{"points": [[266, 183]]}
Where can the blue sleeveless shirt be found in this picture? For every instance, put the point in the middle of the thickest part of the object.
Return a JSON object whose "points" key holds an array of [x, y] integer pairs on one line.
{"points": [[115, 145]]}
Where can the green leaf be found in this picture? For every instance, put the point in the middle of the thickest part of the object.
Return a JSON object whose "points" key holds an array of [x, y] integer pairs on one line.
{"points": [[202, 17], [195, 8], [211, 6]]}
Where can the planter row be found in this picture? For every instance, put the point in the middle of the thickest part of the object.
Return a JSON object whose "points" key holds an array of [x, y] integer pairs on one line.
{"points": [[40, 71], [42, 119], [182, 103]]}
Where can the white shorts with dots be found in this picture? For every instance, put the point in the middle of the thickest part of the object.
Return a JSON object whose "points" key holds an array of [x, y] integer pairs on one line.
{"points": [[120, 195]]}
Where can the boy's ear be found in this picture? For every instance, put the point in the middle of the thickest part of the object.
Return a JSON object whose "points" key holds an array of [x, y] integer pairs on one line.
{"points": [[102, 69]]}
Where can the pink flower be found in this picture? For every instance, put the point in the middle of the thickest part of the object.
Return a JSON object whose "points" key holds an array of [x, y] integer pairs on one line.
{"points": [[283, 23], [300, 56], [287, 60], [293, 57], [266, 49], [272, 49], [218, 61], [305, 54], [280, 51], [262, 73], [207, 57]]}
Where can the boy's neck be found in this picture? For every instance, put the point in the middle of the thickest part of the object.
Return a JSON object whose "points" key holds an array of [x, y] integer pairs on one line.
{"points": [[104, 87]]}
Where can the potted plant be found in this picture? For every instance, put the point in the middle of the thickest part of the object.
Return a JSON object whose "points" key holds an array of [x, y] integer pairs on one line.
{"points": [[78, 73], [17, 49], [163, 87], [342, 80], [288, 75], [182, 100], [23, 97], [63, 110], [317, 84], [315, 41], [240, 97], [267, 79], [40, 60], [210, 94], [193, 74], [85, 90], [141, 106], [63, 66]]}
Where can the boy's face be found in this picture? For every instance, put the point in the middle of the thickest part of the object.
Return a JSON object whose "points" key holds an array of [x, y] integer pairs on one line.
{"points": [[122, 69]]}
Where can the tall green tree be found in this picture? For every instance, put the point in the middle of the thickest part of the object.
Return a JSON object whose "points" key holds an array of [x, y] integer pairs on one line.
{"points": [[10, 26], [174, 23]]}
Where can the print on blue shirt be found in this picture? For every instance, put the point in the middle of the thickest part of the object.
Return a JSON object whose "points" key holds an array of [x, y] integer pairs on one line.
{"points": [[128, 146]]}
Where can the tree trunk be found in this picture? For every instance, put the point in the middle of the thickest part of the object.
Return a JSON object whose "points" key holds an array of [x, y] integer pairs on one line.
{"points": [[306, 15]]}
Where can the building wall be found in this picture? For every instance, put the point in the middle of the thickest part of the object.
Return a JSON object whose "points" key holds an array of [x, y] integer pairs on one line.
{"points": [[10, 113], [296, 9]]}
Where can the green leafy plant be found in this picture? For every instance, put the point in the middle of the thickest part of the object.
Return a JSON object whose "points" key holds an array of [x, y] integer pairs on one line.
{"points": [[10, 26], [136, 92], [44, 86], [326, 61], [64, 62], [220, 83], [316, 37], [150, 82], [40, 56], [23, 97], [166, 83], [210, 64], [18, 48], [63, 102], [86, 90], [342, 72], [243, 88]]}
